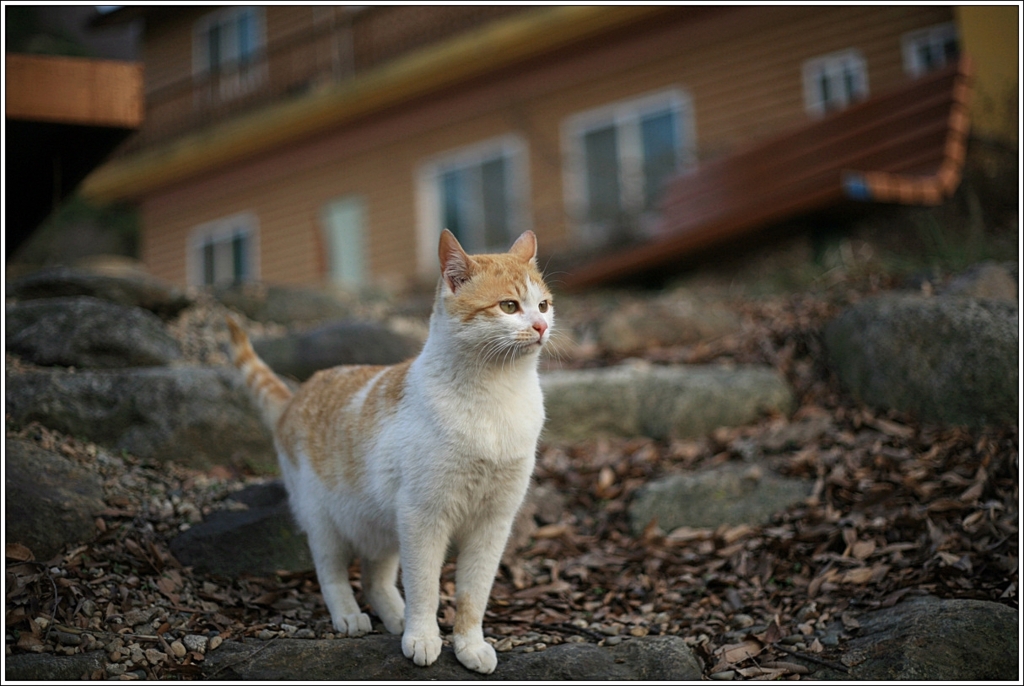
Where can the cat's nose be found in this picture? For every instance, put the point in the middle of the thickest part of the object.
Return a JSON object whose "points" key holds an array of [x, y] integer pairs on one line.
{"points": [[540, 326]]}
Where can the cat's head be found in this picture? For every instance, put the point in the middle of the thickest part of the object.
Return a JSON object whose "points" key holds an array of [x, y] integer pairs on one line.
{"points": [[497, 303]]}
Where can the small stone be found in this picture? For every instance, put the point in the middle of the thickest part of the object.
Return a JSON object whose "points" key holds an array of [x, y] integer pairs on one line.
{"points": [[540, 647], [579, 623], [742, 621], [216, 641], [504, 645], [178, 648], [66, 638], [136, 654], [266, 635], [639, 631], [727, 675], [137, 617], [613, 640], [155, 657], [609, 630], [301, 633], [115, 669], [289, 629], [528, 649], [196, 642], [575, 639]]}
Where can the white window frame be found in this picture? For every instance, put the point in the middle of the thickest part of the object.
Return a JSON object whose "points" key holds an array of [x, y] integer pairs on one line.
{"points": [[625, 115], [233, 79], [513, 148], [834, 65], [935, 37], [223, 230]]}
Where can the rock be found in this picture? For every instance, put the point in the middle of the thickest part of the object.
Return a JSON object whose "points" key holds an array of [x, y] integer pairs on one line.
{"points": [[163, 299], [196, 416], [38, 667], [729, 494], [933, 639], [87, 332], [50, 501], [665, 322], [542, 502], [987, 280], [281, 304], [260, 540], [300, 355], [952, 360], [379, 657], [660, 402]]}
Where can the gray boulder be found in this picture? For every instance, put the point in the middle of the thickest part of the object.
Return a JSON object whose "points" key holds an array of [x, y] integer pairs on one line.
{"points": [[661, 402], [952, 360], [197, 416], [260, 540], [933, 639], [378, 657], [50, 501], [83, 331], [300, 355], [162, 298], [987, 280], [729, 494], [281, 304]]}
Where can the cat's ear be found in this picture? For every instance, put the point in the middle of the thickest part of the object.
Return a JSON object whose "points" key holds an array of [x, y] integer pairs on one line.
{"points": [[455, 263], [525, 247]]}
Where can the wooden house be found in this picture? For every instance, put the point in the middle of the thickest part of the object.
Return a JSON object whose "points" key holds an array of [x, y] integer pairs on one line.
{"points": [[330, 145]]}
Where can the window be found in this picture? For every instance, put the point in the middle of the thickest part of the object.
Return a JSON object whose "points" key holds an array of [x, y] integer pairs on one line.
{"points": [[929, 49], [223, 251], [618, 159], [833, 82], [479, 193], [228, 51]]}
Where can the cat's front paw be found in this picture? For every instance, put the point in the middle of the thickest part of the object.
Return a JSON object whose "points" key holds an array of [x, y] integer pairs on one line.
{"points": [[422, 649], [353, 625], [476, 655]]}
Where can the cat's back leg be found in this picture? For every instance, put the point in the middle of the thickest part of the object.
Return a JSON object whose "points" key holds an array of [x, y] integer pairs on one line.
{"points": [[332, 555], [379, 584]]}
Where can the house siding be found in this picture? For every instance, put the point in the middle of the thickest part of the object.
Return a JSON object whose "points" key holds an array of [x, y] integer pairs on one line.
{"points": [[741, 68]]}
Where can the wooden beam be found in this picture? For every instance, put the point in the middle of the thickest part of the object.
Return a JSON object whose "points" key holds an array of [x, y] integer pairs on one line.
{"points": [[74, 90]]}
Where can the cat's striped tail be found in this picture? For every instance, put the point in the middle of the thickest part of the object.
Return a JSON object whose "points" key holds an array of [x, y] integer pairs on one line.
{"points": [[271, 394]]}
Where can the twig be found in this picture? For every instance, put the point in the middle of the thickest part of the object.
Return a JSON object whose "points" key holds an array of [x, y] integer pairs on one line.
{"points": [[810, 658], [243, 658], [565, 626]]}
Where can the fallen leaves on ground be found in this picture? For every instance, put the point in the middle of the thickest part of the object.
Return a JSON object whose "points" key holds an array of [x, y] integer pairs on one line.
{"points": [[897, 509]]}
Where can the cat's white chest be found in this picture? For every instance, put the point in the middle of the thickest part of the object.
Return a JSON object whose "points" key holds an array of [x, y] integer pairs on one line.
{"points": [[502, 420]]}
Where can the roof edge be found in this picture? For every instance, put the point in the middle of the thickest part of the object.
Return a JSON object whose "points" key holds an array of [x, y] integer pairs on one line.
{"points": [[491, 47]]}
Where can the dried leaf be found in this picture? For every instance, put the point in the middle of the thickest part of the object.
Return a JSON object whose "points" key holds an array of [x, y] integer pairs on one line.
{"points": [[861, 575], [738, 652], [19, 552], [551, 531], [862, 549]]}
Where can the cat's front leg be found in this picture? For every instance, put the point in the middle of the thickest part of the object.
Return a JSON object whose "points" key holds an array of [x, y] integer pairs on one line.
{"points": [[423, 542], [480, 551]]}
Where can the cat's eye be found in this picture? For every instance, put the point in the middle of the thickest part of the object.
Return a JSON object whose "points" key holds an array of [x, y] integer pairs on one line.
{"points": [[543, 306], [508, 306]]}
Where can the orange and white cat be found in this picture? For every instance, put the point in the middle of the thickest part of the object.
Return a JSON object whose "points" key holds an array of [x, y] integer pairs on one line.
{"points": [[392, 463]]}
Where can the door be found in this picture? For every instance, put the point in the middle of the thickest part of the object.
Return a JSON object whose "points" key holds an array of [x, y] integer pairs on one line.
{"points": [[344, 225]]}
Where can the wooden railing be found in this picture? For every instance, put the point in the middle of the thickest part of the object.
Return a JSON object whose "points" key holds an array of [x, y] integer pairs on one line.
{"points": [[906, 146]]}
